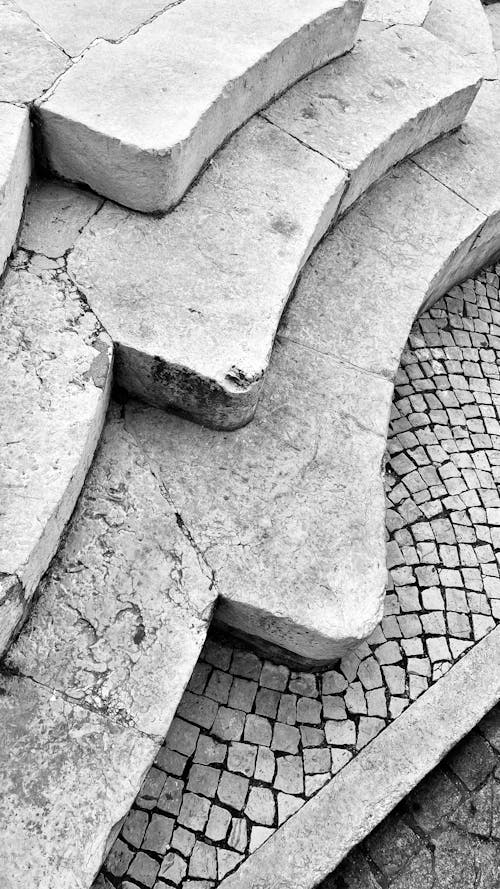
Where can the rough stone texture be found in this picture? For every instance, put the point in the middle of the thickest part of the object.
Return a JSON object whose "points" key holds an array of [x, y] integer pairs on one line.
{"points": [[124, 610], [68, 775], [215, 274], [227, 258], [395, 12], [137, 120], [55, 384], [55, 215], [464, 25], [493, 16], [29, 61], [381, 102], [75, 25], [15, 169]]}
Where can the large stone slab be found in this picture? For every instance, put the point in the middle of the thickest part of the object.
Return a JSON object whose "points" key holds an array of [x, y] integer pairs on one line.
{"points": [[392, 94], [68, 775], [29, 61], [288, 511], [217, 272], [123, 612], [137, 120], [397, 12], [56, 370], [15, 169], [75, 25], [464, 25], [56, 213], [214, 275]]}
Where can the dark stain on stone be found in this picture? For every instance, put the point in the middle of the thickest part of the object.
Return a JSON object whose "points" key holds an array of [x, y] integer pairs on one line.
{"points": [[284, 226], [309, 113], [139, 634]]}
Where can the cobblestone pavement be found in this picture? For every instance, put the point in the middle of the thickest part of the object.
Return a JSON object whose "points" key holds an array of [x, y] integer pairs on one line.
{"points": [[252, 741]]}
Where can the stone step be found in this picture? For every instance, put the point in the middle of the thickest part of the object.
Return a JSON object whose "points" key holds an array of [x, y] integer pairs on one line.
{"points": [[138, 119], [56, 374], [15, 170], [213, 277]]}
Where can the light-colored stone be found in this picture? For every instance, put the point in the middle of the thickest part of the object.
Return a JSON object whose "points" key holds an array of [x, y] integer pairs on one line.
{"points": [[29, 61], [55, 215], [56, 371], [137, 120], [392, 94], [304, 850], [75, 25], [15, 170], [464, 26], [396, 12], [215, 274], [315, 534], [68, 776], [124, 609]]}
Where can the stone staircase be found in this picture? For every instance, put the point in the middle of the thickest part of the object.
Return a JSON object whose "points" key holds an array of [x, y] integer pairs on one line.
{"points": [[178, 523]]}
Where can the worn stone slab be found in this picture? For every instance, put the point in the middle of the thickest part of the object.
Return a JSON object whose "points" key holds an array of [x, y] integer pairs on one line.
{"points": [[288, 511], [68, 775], [464, 25], [397, 12], [215, 274], [15, 169], [75, 25], [137, 120], [29, 61], [306, 849], [392, 94], [56, 370], [493, 16], [123, 612], [56, 213]]}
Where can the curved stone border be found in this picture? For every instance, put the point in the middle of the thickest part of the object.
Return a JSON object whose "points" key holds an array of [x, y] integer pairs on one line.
{"points": [[137, 120], [15, 171]]}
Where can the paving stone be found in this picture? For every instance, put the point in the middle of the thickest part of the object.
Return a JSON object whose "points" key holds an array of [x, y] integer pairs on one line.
{"points": [[217, 653], [472, 761], [308, 711], [265, 765], [119, 859], [170, 761], [218, 823], [144, 868], [218, 686], [287, 806], [286, 738], [397, 11], [267, 702], [466, 29], [198, 710], [258, 836], [287, 710], [229, 723], [289, 775], [333, 708], [173, 868], [392, 844], [258, 730], [242, 694], [151, 788], [203, 861], [158, 834], [232, 790], [274, 676], [183, 737], [203, 780], [183, 839], [317, 759], [194, 811], [209, 751], [134, 827], [368, 728], [227, 861], [30, 60], [260, 805], [246, 664], [340, 733], [171, 797], [238, 836], [241, 758], [435, 799], [340, 758]]}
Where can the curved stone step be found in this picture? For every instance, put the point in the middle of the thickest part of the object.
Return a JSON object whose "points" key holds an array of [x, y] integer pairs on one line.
{"points": [[56, 372], [137, 120], [464, 26], [213, 277], [15, 170]]}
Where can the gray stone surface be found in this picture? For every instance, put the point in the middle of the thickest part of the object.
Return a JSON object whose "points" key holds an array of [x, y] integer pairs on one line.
{"points": [[138, 119], [29, 61], [55, 215], [214, 274], [381, 102], [395, 12], [464, 25], [68, 775], [15, 170], [124, 610], [56, 370], [75, 25]]}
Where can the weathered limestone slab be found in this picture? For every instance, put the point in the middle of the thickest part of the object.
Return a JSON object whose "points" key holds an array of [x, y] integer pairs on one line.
{"points": [[75, 25], [464, 25], [124, 610], [56, 369], [68, 775], [392, 94], [137, 120], [493, 16], [288, 511], [56, 213], [29, 61], [306, 849], [214, 275], [397, 12], [15, 169]]}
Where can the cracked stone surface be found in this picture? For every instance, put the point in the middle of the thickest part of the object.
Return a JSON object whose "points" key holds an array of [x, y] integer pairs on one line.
{"points": [[246, 726], [55, 215], [137, 120], [397, 12], [29, 61], [15, 169], [56, 369], [123, 612], [465, 26], [226, 260], [62, 759], [379, 103]]}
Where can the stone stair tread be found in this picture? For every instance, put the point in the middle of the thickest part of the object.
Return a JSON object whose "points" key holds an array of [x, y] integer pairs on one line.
{"points": [[15, 169], [68, 775], [137, 120], [29, 60], [464, 26], [216, 273], [56, 373], [397, 12]]}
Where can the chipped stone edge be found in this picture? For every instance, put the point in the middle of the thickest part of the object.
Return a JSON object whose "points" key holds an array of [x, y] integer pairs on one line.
{"points": [[14, 188], [313, 842]]}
